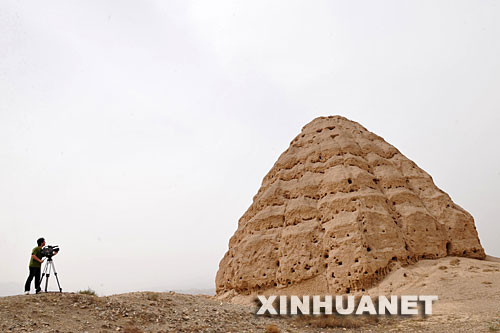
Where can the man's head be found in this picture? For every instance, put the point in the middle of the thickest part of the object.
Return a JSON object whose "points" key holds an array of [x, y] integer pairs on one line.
{"points": [[41, 242]]}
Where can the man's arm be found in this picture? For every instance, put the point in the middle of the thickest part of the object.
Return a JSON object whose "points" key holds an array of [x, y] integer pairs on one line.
{"points": [[36, 258]]}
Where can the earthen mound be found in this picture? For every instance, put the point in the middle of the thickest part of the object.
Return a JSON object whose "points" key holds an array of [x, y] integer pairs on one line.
{"points": [[336, 210]]}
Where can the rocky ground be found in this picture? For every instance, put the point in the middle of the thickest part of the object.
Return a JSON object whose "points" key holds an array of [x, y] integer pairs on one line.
{"points": [[135, 312], [166, 312], [468, 290]]}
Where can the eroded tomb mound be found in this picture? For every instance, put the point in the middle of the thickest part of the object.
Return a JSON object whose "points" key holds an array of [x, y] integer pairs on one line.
{"points": [[337, 208]]}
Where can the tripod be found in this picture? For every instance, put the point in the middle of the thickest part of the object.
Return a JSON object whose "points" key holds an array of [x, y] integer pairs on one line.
{"points": [[46, 272]]}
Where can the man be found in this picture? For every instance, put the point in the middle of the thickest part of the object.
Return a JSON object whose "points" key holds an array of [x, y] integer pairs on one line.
{"points": [[35, 267]]}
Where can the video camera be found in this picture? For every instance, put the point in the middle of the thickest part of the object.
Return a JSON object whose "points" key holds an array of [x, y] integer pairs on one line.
{"points": [[49, 250]]}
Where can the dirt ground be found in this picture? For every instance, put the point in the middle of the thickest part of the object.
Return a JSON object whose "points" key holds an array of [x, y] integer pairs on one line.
{"points": [[468, 290]]}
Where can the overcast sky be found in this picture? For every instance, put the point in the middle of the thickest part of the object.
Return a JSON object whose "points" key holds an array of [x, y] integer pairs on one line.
{"points": [[134, 134]]}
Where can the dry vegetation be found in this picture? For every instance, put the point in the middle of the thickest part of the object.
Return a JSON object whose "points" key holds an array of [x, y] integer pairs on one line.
{"points": [[87, 291]]}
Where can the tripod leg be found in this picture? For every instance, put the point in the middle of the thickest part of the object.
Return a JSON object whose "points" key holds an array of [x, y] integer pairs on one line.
{"points": [[43, 274], [57, 279], [48, 274]]}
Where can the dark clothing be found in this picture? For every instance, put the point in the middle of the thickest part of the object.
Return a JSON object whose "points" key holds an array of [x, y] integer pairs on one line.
{"points": [[37, 251], [34, 273]]}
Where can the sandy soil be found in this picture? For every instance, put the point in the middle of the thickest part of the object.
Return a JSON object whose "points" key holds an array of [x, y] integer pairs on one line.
{"points": [[468, 290]]}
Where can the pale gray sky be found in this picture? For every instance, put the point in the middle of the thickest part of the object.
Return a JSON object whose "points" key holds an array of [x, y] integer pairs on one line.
{"points": [[134, 134]]}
